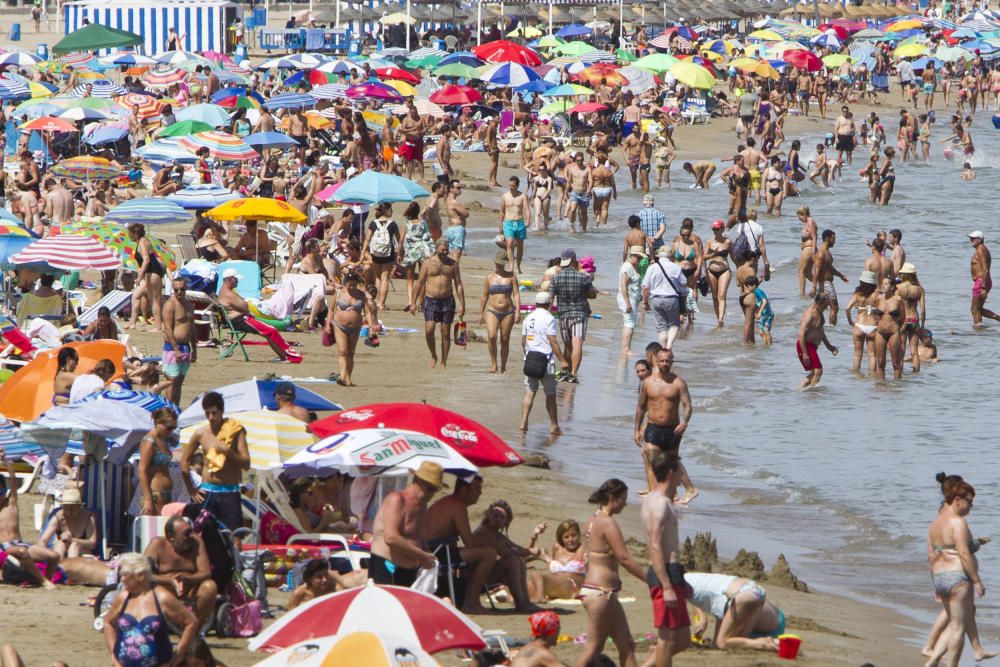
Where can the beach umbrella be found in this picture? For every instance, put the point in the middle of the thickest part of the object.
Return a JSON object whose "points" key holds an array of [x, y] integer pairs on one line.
{"points": [[256, 208], [374, 187], [868, 33], [164, 78], [450, 95], [82, 113], [397, 73], [503, 50], [423, 62], [594, 75], [12, 443], [272, 437], [557, 106], [202, 197], [165, 151], [508, 74], [149, 106], [826, 39], [656, 62], [905, 24], [148, 211], [127, 58], [18, 59], [692, 74], [238, 102], [146, 400], [836, 59], [424, 619], [573, 30], [211, 114], [424, 107], [460, 70], [526, 32], [221, 145], [950, 54], [920, 64], [403, 88], [122, 423], [568, 90], [465, 57], [765, 35], [548, 41], [375, 90], [470, 438], [255, 395], [94, 37], [910, 50], [313, 76], [184, 128], [178, 58], [538, 86], [262, 141], [68, 253], [11, 227], [291, 101], [101, 135], [13, 90], [758, 67], [330, 91], [341, 67], [116, 239], [100, 88], [588, 107], [49, 124], [803, 59], [356, 648], [87, 168]]}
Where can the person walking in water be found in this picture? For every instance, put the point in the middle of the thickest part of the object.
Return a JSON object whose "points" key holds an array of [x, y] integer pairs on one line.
{"points": [[824, 272], [811, 334], [982, 283]]}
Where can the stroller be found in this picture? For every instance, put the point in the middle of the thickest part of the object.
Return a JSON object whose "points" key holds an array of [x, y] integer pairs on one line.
{"points": [[239, 577]]}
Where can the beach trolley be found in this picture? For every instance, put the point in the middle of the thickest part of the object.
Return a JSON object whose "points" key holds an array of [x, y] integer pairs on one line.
{"points": [[201, 24]]}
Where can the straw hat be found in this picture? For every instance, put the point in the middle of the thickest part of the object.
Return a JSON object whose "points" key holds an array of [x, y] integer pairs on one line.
{"points": [[637, 250], [432, 473], [907, 268], [72, 497]]}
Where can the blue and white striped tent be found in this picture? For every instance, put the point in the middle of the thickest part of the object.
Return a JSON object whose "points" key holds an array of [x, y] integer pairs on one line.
{"points": [[202, 24]]}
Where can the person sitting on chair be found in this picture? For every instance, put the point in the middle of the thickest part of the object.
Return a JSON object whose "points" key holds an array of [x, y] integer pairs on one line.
{"points": [[103, 328], [238, 311], [44, 300], [254, 245], [72, 527], [181, 566]]}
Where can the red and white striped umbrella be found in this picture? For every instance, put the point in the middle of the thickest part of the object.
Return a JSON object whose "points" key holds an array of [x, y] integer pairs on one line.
{"points": [[69, 253], [411, 615], [148, 106], [221, 145], [164, 78]]}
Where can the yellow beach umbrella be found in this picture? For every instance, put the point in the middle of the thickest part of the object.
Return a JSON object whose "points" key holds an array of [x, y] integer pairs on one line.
{"points": [[257, 208], [272, 437], [692, 74], [529, 32], [910, 50], [550, 41], [758, 67], [765, 35], [403, 88], [713, 56], [908, 24]]}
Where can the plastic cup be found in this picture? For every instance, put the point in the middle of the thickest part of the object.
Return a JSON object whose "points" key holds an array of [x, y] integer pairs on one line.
{"points": [[788, 646]]}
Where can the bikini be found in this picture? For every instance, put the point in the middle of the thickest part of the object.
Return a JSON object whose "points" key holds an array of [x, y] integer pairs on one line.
{"points": [[142, 642], [500, 289], [593, 590], [720, 257], [358, 306], [945, 581], [689, 257]]}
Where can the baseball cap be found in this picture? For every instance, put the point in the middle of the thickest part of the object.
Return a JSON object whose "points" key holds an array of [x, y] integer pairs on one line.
{"points": [[976, 235], [230, 273], [567, 257], [286, 389], [718, 224], [542, 298]]}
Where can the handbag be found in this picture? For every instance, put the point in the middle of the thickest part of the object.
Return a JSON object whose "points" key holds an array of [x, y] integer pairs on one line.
{"points": [[246, 616], [536, 364], [682, 306]]}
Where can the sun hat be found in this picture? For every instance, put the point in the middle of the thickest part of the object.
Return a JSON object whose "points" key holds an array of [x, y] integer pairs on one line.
{"points": [[587, 264], [544, 623], [976, 235], [72, 497], [432, 473], [542, 298], [868, 277], [637, 250], [907, 268]]}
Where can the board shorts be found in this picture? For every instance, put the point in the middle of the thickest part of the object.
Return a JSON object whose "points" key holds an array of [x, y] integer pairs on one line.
{"points": [[439, 310], [386, 573], [845, 142], [573, 327], [627, 128], [676, 617], [515, 229], [765, 322], [176, 363], [456, 237], [755, 181], [580, 198], [978, 289], [663, 438], [810, 361], [412, 150], [928, 88], [828, 289]]}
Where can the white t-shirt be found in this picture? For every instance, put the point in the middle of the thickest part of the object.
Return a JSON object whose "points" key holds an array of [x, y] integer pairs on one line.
{"points": [[905, 71], [755, 227], [537, 327], [633, 285], [85, 385]]}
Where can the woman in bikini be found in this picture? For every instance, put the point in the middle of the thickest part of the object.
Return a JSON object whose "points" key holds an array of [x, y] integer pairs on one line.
{"points": [[149, 279], [604, 549], [155, 458], [351, 309], [914, 311], [954, 569], [888, 341], [65, 375], [863, 328], [774, 186], [541, 199], [738, 179], [500, 309], [886, 182], [719, 273], [686, 250], [820, 89], [565, 565]]}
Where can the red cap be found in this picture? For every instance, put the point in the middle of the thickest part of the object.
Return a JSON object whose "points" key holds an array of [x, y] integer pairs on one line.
{"points": [[718, 224]]}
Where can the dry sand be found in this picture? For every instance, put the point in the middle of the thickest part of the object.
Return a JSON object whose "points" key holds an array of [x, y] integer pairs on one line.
{"points": [[835, 630]]}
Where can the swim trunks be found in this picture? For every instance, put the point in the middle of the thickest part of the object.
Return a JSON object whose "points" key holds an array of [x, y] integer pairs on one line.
{"points": [[845, 142], [515, 229], [580, 198], [412, 150], [627, 128], [439, 310], [662, 437], [928, 88], [978, 289], [755, 179], [456, 237], [384, 571], [176, 363], [573, 327], [810, 361], [827, 288], [675, 617]]}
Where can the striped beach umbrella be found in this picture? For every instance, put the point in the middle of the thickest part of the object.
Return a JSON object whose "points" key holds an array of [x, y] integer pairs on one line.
{"points": [[165, 151], [149, 106], [220, 145], [126, 59], [509, 74], [116, 239], [148, 211], [272, 437], [291, 101], [18, 59], [11, 89], [297, 61], [424, 107], [341, 67], [11, 441], [202, 197], [330, 91], [148, 401], [83, 113], [68, 252], [163, 78], [86, 168], [100, 88]]}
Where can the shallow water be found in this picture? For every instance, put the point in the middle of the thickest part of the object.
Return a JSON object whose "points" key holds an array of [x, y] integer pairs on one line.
{"points": [[840, 478]]}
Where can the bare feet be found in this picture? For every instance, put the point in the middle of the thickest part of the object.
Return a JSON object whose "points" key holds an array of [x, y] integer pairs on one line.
{"points": [[524, 427], [927, 652], [48, 585], [434, 361], [554, 430], [493, 369], [688, 497], [985, 655]]}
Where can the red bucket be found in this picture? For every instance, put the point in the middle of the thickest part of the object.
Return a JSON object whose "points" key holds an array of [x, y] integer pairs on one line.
{"points": [[788, 646]]}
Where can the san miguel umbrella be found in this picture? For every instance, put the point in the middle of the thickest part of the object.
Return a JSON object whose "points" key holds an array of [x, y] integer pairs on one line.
{"points": [[49, 124], [451, 95], [203, 196], [471, 439], [67, 252], [87, 168], [257, 208], [252, 395], [356, 648], [412, 615], [502, 51], [374, 187], [117, 240], [220, 145]]}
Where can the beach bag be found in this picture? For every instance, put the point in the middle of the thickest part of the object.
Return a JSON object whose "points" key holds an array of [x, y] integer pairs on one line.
{"points": [[381, 243], [246, 616], [741, 246], [536, 365]]}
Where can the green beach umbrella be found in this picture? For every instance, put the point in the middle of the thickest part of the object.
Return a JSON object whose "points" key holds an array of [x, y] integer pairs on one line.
{"points": [[656, 62], [558, 106], [93, 103], [457, 69], [625, 56], [94, 37], [573, 48], [549, 41], [185, 128], [424, 62]]}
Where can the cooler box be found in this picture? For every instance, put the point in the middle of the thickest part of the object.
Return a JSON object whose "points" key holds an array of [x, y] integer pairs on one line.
{"points": [[15, 32]]}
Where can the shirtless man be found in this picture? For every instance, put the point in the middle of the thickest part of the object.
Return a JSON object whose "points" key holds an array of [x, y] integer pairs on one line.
{"points": [[432, 209], [665, 576], [514, 219], [447, 521], [238, 311], [538, 652], [457, 215], [982, 282], [181, 566], [702, 172], [811, 334], [411, 151], [645, 161], [266, 121], [492, 149], [297, 128], [878, 264], [663, 400], [630, 151], [602, 179], [844, 130], [824, 272], [58, 202], [10, 528], [804, 86], [898, 253], [180, 348], [578, 180], [752, 157], [284, 396], [439, 282], [630, 119], [443, 160], [223, 442], [398, 549]]}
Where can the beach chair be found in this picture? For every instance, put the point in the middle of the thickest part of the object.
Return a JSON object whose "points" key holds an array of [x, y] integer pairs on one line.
{"points": [[251, 280], [189, 248], [230, 338], [695, 110], [47, 307], [115, 300], [145, 528]]}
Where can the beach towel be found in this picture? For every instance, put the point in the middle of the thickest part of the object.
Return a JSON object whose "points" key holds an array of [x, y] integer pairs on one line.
{"points": [[214, 458]]}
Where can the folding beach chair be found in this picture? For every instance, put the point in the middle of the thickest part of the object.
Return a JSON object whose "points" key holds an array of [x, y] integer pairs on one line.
{"points": [[249, 274], [189, 249], [230, 338], [115, 300], [695, 110]]}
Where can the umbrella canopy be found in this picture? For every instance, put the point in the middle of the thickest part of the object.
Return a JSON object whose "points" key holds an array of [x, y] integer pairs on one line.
{"points": [[165, 151], [148, 211], [397, 73], [99, 88], [803, 59], [14, 446], [94, 37], [692, 74], [424, 107], [83, 113], [595, 74], [164, 78], [220, 145], [255, 395], [210, 114], [910, 50], [460, 70], [257, 208], [272, 437], [509, 74], [120, 422], [588, 107], [148, 401], [471, 439], [374, 187], [291, 101], [374, 90], [573, 30], [376, 451], [412, 615], [502, 51], [18, 59], [185, 128], [202, 197], [656, 62], [351, 650], [568, 90], [330, 91], [117, 240], [49, 124], [265, 140], [68, 253], [836, 59], [464, 57], [452, 94], [126, 58], [149, 106], [869, 33]]}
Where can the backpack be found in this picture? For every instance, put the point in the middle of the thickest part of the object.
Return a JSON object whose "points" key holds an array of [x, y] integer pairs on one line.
{"points": [[381, 243], [741, 246]]}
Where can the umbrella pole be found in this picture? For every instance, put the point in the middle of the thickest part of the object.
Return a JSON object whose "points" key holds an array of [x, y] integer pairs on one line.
{"points": [[407, 25], [479, 22], [336, 13], [104, 510], [550, 18], [621, 22]]}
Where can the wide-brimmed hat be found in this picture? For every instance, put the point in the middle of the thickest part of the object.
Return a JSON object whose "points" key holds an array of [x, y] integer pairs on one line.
{"points": [[868, 277], [907, 268], [432, 473], [72, 497], [637, 250]]}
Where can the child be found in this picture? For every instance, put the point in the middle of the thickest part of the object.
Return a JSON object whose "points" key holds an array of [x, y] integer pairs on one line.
{"points": [[764, 315], [969, 174]]}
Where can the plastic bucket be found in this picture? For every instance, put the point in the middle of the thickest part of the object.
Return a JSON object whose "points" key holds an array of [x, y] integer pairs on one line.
{"points": [[15, 32], [788, 646], [364, 332]]}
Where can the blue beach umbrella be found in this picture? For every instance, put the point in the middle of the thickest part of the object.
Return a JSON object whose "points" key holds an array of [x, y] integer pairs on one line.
{"points": [[19, 59], [105, 135], [11, 89], [509, 74], [100, 88], [291, 101], [539, 85], [202, 197], [373, 187], [573, 30], [12, 444], [251, 395], [262, 141], [148, 401], [464, 57], [148, 211], [234, 91]]}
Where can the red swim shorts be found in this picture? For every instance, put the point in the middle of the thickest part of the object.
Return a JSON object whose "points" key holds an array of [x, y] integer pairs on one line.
{"points": [[412, 150], [812, 362], [675, 617]]}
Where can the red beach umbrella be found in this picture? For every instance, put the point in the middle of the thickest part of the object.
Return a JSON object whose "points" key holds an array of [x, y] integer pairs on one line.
{"points": [[505, 51], [397, 73], [588, 107], [455, 95], [471, 439], [595, 73], [803, 59]]}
